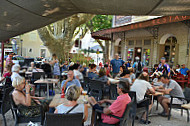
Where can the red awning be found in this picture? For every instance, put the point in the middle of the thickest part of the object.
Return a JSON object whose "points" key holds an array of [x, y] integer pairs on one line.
{"points": [[149, 23]]}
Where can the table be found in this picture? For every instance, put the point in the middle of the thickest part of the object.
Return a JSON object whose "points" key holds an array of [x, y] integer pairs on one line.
{"points": [[57, 100], [157, 93], [47, 81], [186, 106], [113, 81]]}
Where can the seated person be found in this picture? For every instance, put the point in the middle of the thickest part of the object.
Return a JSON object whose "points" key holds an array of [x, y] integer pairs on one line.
{"points": [[107, 69], [102, 76], [23, 99], [157, 80], [15, 72], [72, 94], [170, 88], [70, 81], [37, 68], [122, 68], [92, 72], [31, 67], [155, 68], [125, 76], [132, 75], [184, 70], [117, 107], [78, 75], [65, 66], [7, 73], [83, 69], [177, 69], [141, 86]]}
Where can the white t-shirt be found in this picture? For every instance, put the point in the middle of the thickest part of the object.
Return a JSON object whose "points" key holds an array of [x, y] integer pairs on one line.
{"points": [[140, 87], [14, 74], [78, 73]]}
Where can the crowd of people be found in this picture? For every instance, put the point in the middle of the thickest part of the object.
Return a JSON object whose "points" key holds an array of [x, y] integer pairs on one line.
{"points": [[132, 77]]}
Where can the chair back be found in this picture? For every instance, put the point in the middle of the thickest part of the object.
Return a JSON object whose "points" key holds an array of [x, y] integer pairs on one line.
{"points": [[113, 92], [96, 89], [63, 119], [126, 121], [85, 84], [37, 75], [6, 103], [187, 94]]}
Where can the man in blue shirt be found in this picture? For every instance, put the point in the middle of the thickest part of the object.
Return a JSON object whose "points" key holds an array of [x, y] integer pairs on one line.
{"points": [[116, 63], [184, 70], [70, 81]]}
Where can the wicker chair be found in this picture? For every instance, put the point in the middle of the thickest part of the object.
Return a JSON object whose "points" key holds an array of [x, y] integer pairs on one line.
{"points": [[5, 104], [23, 119], [63, 119]]}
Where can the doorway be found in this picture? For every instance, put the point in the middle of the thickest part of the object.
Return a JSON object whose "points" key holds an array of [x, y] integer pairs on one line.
{"points": [[138, 52], [168, 50]]}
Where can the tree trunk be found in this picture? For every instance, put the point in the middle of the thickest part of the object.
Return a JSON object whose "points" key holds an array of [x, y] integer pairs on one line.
{"points": [[59, 39]]}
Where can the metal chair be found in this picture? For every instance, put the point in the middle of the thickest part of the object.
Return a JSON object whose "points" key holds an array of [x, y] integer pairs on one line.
{"points": [[22, 119], [123, 121], [5, 104], [63, 119], [179, 106], [96, 89], [113, 92], [85, 84]]}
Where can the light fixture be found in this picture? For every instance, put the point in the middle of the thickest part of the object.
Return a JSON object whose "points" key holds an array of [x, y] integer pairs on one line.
{"points": [[138, 50]]}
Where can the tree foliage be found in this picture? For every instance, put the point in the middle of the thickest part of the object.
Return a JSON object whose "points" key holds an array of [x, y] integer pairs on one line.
{"points": [[100, 22]]}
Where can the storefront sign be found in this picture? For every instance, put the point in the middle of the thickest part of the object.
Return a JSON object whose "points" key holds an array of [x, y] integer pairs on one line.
{"points": [[148, 23]]}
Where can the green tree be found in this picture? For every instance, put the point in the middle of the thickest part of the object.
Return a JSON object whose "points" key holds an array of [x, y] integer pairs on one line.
{"points": [[100, 22]]}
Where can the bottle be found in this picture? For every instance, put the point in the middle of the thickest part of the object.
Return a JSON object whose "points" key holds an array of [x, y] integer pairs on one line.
{"points": [[63, 93]]}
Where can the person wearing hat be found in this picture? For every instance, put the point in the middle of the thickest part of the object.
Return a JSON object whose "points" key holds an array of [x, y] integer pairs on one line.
{"points": [[164, 67], [184, 70]]}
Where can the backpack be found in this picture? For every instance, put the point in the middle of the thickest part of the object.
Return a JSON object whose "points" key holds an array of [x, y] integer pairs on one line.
{"points": [[138, 67]]}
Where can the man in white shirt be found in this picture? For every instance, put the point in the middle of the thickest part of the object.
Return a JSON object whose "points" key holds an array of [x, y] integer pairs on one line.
{"points": [[141, 86]]}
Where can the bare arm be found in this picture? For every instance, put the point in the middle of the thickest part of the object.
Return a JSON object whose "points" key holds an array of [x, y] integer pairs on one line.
{"points": [[85, 112], [107, 111]]}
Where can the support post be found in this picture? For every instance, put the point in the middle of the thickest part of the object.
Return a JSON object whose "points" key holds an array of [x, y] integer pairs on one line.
{"points": [[2, 57]]}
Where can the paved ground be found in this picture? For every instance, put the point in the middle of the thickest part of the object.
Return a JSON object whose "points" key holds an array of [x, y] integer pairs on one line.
{"points": [[176, 119]]}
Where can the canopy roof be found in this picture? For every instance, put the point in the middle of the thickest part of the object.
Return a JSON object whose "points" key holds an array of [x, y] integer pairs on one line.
{"points": [[20, 16]]}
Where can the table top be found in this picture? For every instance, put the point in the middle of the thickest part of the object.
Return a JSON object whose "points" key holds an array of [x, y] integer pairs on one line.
{"points": [[113, 81], [47, 81], [157, 93], [27, 72], [187, 106], [57, 100]]}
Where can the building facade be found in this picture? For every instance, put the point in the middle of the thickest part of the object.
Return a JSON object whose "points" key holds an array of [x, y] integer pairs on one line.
{"points": [[32, 46], [150, 40]]}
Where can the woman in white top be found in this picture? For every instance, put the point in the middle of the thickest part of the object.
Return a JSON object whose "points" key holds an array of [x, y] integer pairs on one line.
{"points": [[78, 75], [72, 94]]}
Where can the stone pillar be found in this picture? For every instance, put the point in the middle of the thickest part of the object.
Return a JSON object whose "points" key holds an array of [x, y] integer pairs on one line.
{"points": [[155, 52], [112, 49]]}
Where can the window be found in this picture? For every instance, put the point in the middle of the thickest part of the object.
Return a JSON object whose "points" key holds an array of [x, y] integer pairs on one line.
{"points": [[43, 53], [131, 42], [147, 42], [139, 42], [130, 53], [146, 57]]}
